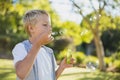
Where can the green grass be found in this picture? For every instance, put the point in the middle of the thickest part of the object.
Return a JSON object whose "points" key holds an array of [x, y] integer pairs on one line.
{"points": [[87, 74], [7, 72]]}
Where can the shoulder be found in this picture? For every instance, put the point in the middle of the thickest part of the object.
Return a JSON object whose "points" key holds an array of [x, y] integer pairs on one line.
{"points": [[19, 52], [48, 49], [18, 47]]}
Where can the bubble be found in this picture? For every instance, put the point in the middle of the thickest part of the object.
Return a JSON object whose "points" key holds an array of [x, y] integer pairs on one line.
{"points": [[54, 33], [60, 32], [84, 32], [99, 15], [91, 19], [95, 17]]}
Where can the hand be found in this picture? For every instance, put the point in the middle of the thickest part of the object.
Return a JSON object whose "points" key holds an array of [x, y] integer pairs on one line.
{"points": [[43, 38], [64, 63]]}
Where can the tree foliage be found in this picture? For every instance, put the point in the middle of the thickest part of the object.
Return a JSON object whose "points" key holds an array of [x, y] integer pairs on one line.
{"points": [[77, 33]]}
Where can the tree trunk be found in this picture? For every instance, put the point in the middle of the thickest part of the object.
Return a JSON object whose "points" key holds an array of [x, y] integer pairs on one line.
{"points": [[100, 52]]}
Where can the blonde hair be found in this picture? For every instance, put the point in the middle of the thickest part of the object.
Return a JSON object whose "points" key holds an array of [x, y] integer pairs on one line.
{"points": [[32, 17]]}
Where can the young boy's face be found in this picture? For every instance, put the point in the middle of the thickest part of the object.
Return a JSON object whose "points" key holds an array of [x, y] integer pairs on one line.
{"points": [[42, 25]]}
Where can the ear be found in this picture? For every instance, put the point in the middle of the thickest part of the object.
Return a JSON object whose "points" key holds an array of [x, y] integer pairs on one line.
{"points": [[31, 29]]}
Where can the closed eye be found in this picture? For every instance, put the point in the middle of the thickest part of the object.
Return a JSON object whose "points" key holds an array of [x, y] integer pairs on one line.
{"points": [[45, 25]]}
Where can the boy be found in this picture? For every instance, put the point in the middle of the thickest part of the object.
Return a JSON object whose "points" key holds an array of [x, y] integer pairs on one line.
{"points": [[36, 61]]}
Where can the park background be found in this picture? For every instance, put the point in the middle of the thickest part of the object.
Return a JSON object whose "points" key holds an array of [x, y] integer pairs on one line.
{"points": [[89, 28]]}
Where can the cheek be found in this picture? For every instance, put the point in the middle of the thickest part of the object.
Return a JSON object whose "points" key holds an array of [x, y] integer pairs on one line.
{"points": [[39, 31]]}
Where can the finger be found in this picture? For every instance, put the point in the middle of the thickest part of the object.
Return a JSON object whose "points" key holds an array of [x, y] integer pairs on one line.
{"points": [[70, 65], [65, 58], [51, 38], [72, 61]]}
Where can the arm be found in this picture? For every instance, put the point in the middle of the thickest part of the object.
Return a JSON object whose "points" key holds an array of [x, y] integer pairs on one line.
{"points": [[64, 65], [59, 71], [24, 66]]}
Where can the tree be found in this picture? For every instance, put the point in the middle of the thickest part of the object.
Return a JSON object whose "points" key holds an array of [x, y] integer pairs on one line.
{"points": [[93, 21]]}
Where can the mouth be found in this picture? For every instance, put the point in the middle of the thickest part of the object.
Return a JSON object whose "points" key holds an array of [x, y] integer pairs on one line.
{"points": [[53, 33]]}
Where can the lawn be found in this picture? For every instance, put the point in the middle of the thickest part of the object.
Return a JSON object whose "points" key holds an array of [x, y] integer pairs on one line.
{"points": [[6, 70], [8, 73], [87, 74]]}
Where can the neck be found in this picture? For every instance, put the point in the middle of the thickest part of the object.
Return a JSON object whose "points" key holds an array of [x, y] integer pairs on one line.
{"points": [[31, 39]]}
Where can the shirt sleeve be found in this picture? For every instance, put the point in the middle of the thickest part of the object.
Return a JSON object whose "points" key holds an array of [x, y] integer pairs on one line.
{"points": [[19, 53]]}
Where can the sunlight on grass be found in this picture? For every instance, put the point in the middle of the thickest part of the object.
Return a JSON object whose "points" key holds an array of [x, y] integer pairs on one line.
{"points": [[7, 71], [86, 74]]}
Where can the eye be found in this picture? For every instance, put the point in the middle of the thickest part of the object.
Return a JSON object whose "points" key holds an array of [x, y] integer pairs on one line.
{"points": [[45, 25]]}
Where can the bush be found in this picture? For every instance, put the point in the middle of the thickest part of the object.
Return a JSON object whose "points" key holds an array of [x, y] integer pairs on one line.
{"points": [[113, 62], [91, 59], [108, 61], [79, 57], [117, 63]]}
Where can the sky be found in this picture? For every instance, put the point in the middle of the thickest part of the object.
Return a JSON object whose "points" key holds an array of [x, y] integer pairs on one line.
{"points": [[64, 10]]}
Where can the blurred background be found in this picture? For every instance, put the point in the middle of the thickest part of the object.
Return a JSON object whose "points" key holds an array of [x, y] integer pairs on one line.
{"points": [[89, 28]]}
